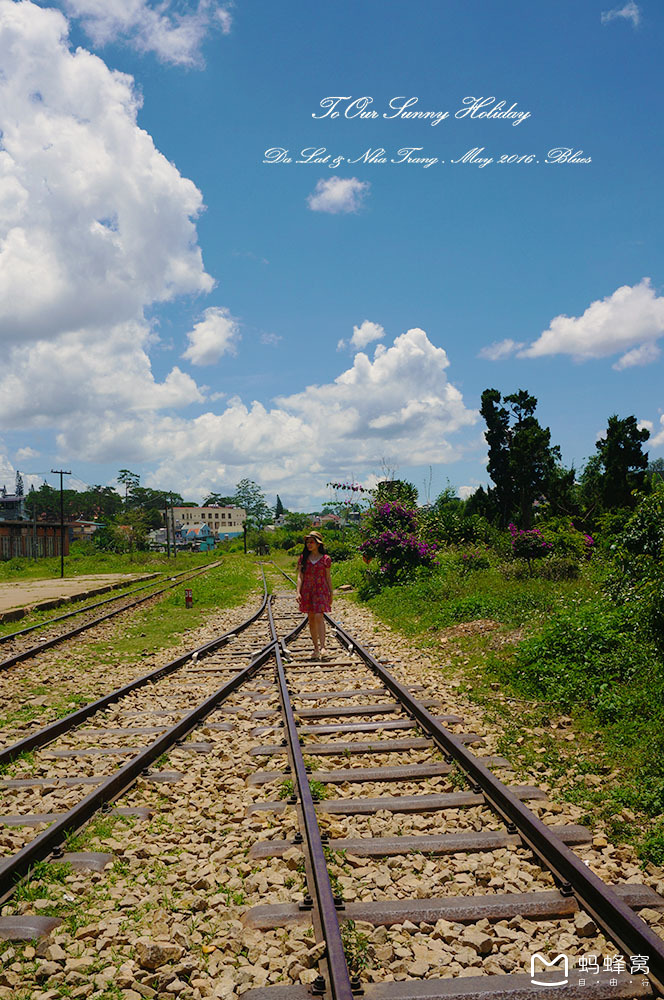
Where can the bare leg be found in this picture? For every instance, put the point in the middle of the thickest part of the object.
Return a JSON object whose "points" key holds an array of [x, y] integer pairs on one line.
{"points": [[321, 633], [313, 628]]}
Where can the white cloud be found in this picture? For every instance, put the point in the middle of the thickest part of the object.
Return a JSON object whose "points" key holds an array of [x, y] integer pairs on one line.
{"points": [[643, 355], [215, 335], [96, 226], [173, 34], [338, 194], [271, 339], [87, 375], [629, 12], [500, 350], [467, 491], [400, 403], [8, 476], [95, 223], [362, 335], [658, 440], [630, 320], [24, 454]]}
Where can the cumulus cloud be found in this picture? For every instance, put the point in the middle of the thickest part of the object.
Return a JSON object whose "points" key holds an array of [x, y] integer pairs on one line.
{"points": [[95, 226], [338, 194], [215, 335], [643, 355], [94, 223], [174, 34], [24, 454], [363, 335], [628, 12], [500, 350], [629, 320], [657, 440], [400, 403]]}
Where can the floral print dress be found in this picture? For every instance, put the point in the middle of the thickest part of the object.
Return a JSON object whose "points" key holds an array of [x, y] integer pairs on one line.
{"points": [[315, 594]]}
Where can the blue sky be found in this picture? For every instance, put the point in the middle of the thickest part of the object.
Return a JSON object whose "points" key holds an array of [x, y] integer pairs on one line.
{"points": [[173, 304]]}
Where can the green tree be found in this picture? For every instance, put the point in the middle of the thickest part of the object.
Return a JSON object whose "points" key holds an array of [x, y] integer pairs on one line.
{"points": [[623, 462], [129, 480], [278, 507], [522, 460], [297, 522], [250, 496], [218, 500], [18, 488], [397, 490]]}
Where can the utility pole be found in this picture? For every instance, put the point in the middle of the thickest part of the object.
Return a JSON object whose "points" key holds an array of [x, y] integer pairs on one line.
{"points": [[61, 473], [34, 530], [168, 542], [175, 547]]}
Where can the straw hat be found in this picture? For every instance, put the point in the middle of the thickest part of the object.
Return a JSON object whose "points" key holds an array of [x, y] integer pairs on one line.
{"points": [[315, 535]]}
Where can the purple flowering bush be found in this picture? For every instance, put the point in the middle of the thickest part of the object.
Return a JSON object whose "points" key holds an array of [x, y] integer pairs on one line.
{"points": [[391, 531], [529, 544]]}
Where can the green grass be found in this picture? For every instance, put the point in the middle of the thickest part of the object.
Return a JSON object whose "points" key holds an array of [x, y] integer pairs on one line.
{"points": [[163, 624], [83, 560], [564, 648]]}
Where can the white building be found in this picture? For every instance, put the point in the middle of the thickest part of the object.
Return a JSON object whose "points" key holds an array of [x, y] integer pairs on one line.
{"points": [[221, 520]]}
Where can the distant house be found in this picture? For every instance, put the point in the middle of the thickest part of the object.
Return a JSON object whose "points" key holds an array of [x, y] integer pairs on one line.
{"points": [[199, 536], [12, 507], [222, 521], [330, 519], [81, 530]]}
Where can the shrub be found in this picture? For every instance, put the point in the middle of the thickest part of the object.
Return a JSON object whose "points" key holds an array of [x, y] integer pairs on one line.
{"points": [[470, 561], [529, 544], [559, 568], [639, 578], [565, 538], [391, 538]]}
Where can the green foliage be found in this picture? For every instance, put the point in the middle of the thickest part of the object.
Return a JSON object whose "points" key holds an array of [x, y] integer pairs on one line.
{"points": [[396, 490], [623, 462], [559, 568], [391, 537], [356, 948], [286, 789], [595, 656], [250, 496], [639, 577], [521, 458]]}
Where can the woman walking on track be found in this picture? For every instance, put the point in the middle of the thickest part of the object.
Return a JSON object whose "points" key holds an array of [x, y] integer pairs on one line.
{"points": [[314, 589]]}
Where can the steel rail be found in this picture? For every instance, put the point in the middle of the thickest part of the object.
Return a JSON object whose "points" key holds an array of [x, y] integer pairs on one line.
{"points": [[98, 604], [619, 921], [16, 867], [49, 643], [339, 981], [55, 729]]}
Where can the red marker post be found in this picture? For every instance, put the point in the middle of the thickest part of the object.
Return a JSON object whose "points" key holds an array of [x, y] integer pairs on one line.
{"points": [[189, 598]]}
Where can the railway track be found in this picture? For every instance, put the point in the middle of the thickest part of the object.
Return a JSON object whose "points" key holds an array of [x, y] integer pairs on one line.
{"points": [[387, 858], [15, 647]]}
